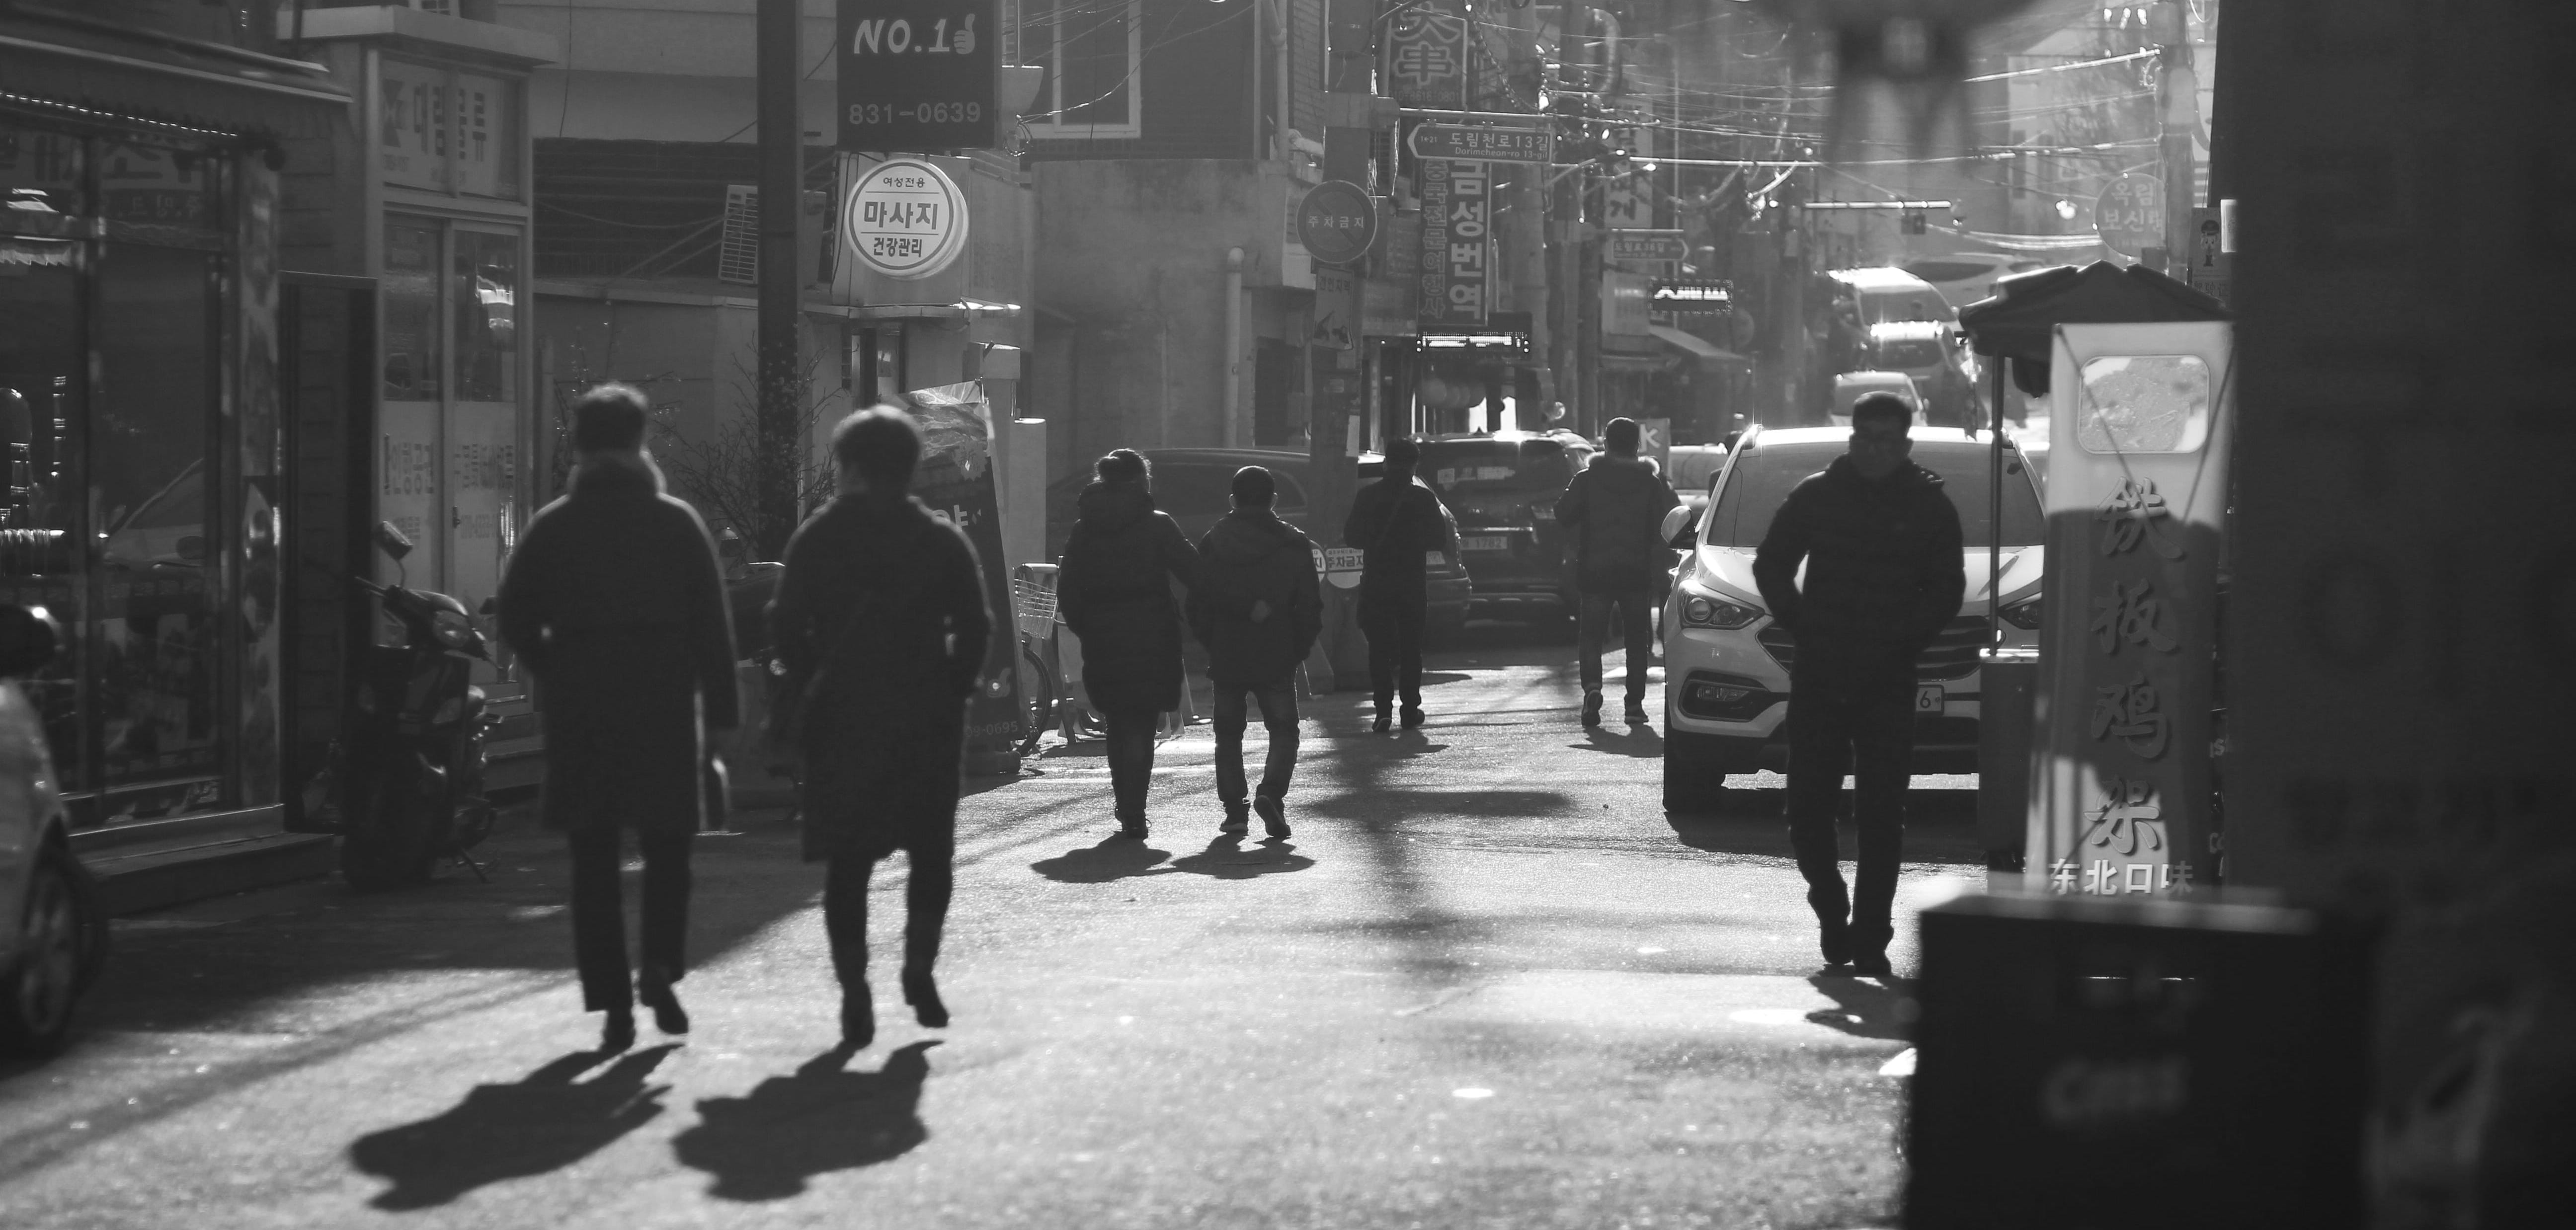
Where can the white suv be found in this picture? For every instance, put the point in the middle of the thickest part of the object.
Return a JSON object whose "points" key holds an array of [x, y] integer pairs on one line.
{"points": [[52, 935], [1726, 665]]}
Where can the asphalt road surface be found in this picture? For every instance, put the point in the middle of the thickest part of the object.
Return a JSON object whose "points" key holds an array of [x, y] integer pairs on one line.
{"points": [[1487, 982]]}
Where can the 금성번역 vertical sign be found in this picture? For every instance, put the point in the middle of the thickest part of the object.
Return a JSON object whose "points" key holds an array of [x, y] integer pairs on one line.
{"points": [[919, 75], [1457, 242]]}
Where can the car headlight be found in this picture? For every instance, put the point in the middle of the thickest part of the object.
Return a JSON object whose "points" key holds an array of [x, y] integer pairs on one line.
{"points": [[1707, 612], [2024, 614]]}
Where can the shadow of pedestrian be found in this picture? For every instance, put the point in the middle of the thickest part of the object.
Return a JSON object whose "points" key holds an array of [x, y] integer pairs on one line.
{"points": [[541, 1123], [1865, 1008], [1114, 858], [766, 1145], [1639, 741], [1226, 859]]}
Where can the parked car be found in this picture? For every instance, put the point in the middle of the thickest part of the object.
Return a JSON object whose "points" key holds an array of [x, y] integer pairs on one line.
{"points": [[53, 934], [1965, 277], [1195, 485], [1503, 487], [1726, 664], [1850, 387]]}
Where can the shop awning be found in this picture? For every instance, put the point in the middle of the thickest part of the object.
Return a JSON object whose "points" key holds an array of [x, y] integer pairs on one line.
{"points": [[1707, 355], [2019, 322], [95, 71]]}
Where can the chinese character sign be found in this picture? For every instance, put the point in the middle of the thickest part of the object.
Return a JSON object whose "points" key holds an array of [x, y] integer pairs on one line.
{"points": [[1426, 57], [1457, 242], [2128, 643]]}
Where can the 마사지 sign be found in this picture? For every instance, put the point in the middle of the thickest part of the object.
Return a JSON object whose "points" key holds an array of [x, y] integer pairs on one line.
{"points": [[905, 219]]}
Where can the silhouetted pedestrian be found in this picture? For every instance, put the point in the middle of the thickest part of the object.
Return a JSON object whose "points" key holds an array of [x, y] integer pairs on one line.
{"points": [[1257, 608], [1615, 510], [881, 624], [614, 604], [1880, 541], [1398, 522], [1115, 590]]}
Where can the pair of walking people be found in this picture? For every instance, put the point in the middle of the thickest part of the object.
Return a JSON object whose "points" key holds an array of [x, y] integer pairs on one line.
{"points": [[1253, 603], [614, 603]]}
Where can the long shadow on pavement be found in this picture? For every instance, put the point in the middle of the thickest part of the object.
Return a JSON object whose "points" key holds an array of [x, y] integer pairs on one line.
{"points": [[1639, 741], [1760, 829], [544, 1122], [1113, 858], [1865, 1008], [1226, 859], [767, 1144]]}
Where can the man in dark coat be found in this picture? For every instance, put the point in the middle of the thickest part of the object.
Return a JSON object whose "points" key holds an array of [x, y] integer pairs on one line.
{"points": [[1257, 608], [1884, 572], [613, 603], [881, 624], [1615, 511], [1115, 591], [1398, 522]]}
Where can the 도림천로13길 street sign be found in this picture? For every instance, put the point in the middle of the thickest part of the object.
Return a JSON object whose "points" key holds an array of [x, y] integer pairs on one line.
{"points": [[1536, 146], [919, 75]]}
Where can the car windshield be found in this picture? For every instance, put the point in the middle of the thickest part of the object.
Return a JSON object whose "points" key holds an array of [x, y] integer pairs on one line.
{"points": [[1915, 352], [1471, 466], [1763, 476]]}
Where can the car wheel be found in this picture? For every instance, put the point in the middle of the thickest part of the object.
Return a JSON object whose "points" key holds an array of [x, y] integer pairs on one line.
{"points": [[1694, 780], [64, 940]]}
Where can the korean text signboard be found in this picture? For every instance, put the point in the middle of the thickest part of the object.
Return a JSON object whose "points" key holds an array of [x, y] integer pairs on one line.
{"points": [[919, 74], [1426, 60], [1692, 297], [2136, 488], [905, 219], [1536, 146], [1337, 222], [1457, 242], [2130, 214]]}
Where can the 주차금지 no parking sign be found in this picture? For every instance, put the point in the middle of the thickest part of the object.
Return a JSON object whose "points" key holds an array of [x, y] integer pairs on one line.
{"points": [[905, 219]]}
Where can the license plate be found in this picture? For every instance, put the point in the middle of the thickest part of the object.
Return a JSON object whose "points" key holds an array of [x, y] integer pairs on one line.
{"points": [[1928, 698], [1488, 542]]}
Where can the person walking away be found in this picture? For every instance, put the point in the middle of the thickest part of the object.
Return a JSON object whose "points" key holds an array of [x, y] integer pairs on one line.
{"points": [[613, 603], [1114, 590], [1615, 511], [1880, 541], [1398, 522], [1257, 608], [881, 623]]}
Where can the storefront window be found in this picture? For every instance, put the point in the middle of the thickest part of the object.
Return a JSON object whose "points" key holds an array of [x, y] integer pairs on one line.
{"points": [[486, 302], [40, 367], [154, 633], [40, 171], [414, 361]]}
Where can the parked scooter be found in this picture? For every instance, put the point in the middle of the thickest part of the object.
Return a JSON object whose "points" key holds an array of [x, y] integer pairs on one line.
{"points": [[406, 775]]}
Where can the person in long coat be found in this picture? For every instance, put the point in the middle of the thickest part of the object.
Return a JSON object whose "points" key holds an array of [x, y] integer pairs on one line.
{"points": [[880, 620], [614, 604], [1398, 522], [1115, 593]]}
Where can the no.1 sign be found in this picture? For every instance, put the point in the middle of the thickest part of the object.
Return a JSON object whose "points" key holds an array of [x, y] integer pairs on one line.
{"points": [[2130, 214], [905, 219]]}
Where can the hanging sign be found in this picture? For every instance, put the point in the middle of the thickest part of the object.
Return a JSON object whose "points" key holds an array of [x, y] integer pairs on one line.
{"points": [[1536, 146], [905, 219], [2137, 485], [1426, 60], [2130, 214], [1637, 245], [1692, 297], [1457, 242], [920, 74]]}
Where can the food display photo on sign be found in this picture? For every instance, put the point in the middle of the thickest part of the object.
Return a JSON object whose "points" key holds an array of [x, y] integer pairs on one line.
{"points": [[905, 219]]}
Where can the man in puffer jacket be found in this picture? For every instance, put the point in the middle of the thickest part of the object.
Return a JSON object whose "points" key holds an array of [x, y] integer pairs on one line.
{"points": [[1614, 510], [1256, 607], [1880, 541]]}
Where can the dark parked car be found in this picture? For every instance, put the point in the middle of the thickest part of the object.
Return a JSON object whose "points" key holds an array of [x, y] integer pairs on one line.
{"points": [[1502, 487], [1195, 485]]}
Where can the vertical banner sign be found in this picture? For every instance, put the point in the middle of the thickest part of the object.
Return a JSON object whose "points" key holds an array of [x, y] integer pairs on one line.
{"points": [[2136, 492], [920, 75], [1426, 59], [1457, 241], [956, 481]]}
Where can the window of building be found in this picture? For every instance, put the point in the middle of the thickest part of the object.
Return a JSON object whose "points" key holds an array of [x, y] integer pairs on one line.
{"points": [[1093, 53]]}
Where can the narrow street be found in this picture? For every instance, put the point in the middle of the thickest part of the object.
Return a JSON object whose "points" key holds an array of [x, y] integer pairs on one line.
{"points": [[1487, 982]]}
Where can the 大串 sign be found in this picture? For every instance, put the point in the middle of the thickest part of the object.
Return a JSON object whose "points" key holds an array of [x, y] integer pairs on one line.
{"points": [[2130, 214], [1337, 222], [919, 75], [1536, 146], [1457, 241], [1426, 60], [905, 219], [1638, 245]]}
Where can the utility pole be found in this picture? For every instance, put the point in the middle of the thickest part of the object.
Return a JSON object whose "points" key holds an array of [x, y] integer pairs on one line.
{"points": [[777, 421], [2177, 101]]}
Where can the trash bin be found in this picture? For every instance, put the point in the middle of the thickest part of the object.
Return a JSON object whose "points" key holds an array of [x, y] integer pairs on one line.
{"points": [[2009, 679], [2137, 1062]]}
